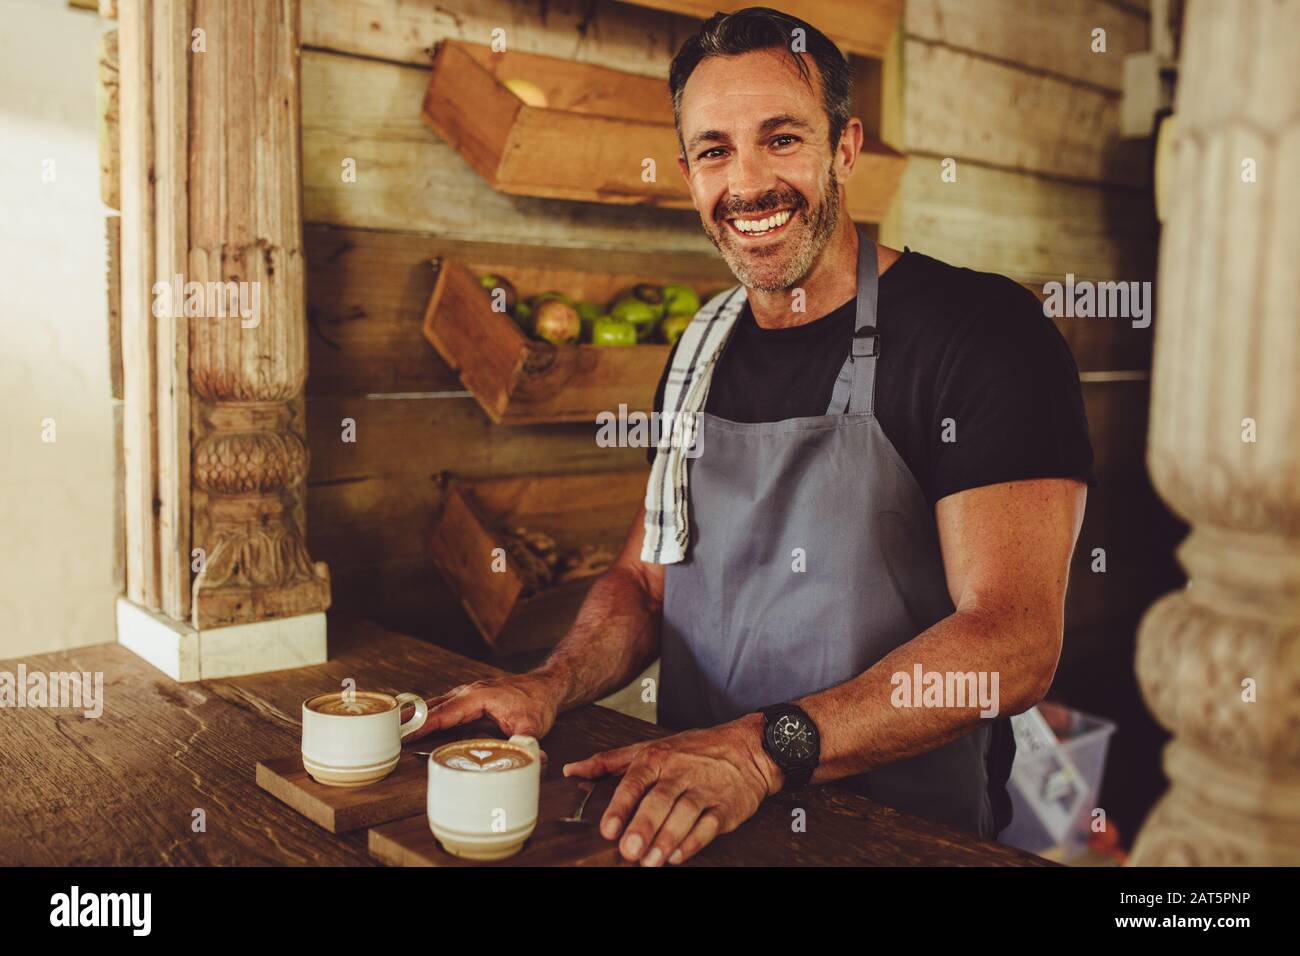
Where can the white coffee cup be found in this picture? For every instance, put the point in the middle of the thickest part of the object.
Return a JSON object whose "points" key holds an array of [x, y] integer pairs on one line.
{"points": [[477, 809], [357, 738]]}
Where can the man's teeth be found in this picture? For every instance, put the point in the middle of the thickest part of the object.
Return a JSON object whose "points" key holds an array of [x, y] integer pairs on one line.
{"points": [[756, 226]]}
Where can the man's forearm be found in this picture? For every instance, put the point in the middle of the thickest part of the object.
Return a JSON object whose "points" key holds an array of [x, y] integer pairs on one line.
{"points": [[861, 726], [615, 635]]}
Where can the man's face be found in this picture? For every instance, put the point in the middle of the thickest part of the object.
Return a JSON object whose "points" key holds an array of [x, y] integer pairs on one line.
{"points": [[758, 155]]}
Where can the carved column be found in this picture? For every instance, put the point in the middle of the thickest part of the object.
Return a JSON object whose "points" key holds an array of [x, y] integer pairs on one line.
{"points": [[250, 456], [212, 190], [1219, 662]]}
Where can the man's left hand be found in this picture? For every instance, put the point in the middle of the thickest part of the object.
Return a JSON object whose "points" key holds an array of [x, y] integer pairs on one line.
{"points": [[682, 791]]}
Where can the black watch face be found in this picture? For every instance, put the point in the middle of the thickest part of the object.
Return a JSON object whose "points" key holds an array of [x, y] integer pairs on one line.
{"points": [[793, 737]]}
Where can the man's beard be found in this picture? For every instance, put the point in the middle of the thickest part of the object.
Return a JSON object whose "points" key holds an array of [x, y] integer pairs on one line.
{"points": [[784, 265]]}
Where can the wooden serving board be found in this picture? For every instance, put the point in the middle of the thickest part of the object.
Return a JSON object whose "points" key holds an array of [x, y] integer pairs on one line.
{"points": [[410, 842], [340, 809]]}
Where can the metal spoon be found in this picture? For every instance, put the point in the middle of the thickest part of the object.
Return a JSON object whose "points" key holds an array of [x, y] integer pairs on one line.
{"points": [[577, 816]]}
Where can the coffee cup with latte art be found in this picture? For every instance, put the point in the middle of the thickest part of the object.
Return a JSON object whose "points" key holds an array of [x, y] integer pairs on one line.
{"points": [[352, 738], [483, 796]]}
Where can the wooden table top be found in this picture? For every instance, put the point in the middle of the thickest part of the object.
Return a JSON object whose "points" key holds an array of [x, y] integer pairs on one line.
{"points": [[124, 788]]}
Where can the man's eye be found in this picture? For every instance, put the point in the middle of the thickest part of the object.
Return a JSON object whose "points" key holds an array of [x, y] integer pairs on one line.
{"points": [[785, 140], [712, 153]]}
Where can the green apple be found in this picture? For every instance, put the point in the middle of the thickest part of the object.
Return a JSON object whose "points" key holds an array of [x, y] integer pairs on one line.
{"points": [[681, 299], [672, 327], [641, 315], [651, 295], [556, 322], [608, 330]]}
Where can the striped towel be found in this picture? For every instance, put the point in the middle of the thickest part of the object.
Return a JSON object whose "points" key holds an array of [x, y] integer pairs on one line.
{"points": [[686, 389]]}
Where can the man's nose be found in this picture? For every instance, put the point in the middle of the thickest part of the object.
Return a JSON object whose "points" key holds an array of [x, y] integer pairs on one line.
{"points": [[750, 176]]}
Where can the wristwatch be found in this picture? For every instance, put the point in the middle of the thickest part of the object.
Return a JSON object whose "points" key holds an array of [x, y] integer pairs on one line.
{"points": [[791, 739]]}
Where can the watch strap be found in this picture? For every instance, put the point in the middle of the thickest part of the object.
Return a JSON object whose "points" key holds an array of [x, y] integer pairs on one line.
{"points": [[797, 778]]}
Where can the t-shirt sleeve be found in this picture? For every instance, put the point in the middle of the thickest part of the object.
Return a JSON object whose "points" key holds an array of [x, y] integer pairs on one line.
{"points": [[659, 399], [1009, 403]]}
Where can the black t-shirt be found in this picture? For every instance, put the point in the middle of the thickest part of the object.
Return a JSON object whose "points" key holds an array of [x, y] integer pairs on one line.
{"points": [[974, 386]]}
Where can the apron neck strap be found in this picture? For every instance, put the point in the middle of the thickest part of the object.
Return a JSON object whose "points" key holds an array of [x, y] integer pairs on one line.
{"points": [[866, 340]]}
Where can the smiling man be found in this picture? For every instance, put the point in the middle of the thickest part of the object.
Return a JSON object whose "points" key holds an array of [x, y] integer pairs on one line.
{"points": [[877, 530]]}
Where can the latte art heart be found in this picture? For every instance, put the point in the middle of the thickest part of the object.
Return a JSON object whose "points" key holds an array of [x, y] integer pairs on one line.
{"points": [[481, 756], [464, 763]]}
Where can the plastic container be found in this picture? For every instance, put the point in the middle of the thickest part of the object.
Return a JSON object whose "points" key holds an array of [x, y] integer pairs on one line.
{"points": [[1055, 780]]}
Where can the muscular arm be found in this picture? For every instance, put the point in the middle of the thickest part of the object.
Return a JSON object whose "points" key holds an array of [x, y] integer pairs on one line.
{"points": [[616, 633], [1006, 554]]}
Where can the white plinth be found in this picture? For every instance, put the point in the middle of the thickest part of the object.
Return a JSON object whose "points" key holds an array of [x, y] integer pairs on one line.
{"points": [[184, 654]]}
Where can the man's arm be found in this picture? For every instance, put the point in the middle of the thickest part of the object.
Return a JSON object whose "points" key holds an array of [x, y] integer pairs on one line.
{"points": [[616, 634], [1006, 551]]}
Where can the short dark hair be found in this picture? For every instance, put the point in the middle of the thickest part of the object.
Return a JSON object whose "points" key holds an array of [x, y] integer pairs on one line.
{"points": [[762, 28]]}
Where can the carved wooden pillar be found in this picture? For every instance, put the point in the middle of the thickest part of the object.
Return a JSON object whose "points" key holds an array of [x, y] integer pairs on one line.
{"points": [[1220, 661], [213, 206], [250, 456]]}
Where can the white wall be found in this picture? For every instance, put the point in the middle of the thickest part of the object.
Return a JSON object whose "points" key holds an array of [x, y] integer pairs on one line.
{"points": [[56, 534]]}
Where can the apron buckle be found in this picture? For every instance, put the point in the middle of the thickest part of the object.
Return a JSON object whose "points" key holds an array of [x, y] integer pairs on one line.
{"points": [[866, 342]]}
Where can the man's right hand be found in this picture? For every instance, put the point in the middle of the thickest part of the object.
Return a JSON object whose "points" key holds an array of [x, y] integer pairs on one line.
{"points": [[520, 704]]}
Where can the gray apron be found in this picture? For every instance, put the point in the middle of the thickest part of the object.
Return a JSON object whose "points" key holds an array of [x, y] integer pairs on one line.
{"points": [[743, 627]]}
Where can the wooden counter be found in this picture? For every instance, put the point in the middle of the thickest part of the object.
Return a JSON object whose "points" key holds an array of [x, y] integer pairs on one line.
{"points": [[124, 788]]}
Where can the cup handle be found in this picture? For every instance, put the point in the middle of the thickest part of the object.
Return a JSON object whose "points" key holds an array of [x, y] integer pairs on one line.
{"points": [[528, 743], [417, 719]]}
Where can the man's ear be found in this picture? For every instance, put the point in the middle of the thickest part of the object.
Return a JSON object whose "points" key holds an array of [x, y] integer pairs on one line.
{"points": [[684, 167], [846, 154]]}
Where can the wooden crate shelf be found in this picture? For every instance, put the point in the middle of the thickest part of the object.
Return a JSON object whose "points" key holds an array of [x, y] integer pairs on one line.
{"points": [[855, 26], [574, 510], [520, 381], [591, 140]]}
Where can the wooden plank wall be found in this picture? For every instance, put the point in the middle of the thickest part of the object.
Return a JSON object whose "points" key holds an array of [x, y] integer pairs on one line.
{"points": [[371, 503], [1016, 96]]}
